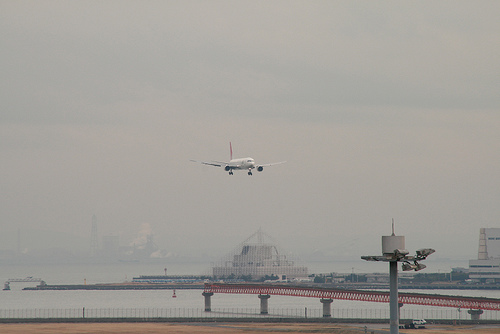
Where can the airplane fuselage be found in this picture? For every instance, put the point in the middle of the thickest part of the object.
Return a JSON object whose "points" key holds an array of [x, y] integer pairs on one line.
{"points": [[243, 163]]}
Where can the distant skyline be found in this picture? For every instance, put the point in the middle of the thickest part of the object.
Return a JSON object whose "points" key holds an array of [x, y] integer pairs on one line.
{"points": [[381, 110]]}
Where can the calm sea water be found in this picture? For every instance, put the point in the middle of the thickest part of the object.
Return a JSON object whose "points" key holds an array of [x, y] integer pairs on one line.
{"points": [[16, 298], [188, 301], [125, 271]]}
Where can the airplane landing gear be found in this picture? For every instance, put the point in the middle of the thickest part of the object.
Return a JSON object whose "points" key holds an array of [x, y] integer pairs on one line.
{"points": [[249, 172], [230, 172]]}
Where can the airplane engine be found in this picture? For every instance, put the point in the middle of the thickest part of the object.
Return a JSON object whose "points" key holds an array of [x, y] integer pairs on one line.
{"points": [[227, 168], [260, 168]]}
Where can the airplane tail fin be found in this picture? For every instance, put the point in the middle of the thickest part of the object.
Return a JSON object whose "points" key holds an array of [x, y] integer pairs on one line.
{"points": [[231, 150]]}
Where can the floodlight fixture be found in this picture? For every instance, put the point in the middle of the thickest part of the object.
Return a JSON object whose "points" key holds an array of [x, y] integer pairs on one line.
{"points": [[419, 266], [400, 253], [407, 266], [424, 252], [394, 251]]}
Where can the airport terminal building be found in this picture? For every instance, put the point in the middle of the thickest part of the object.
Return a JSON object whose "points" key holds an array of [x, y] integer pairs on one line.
{"points": [[486, 268]]}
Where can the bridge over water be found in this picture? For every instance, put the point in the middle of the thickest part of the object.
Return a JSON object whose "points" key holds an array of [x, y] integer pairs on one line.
{"points": [[327, 295]]}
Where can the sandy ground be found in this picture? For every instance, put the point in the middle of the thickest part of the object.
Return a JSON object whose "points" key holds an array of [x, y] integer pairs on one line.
{"points": [[221, 328]]}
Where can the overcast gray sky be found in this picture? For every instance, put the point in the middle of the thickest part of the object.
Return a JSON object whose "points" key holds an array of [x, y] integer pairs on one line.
{"points": [[381, 109]]}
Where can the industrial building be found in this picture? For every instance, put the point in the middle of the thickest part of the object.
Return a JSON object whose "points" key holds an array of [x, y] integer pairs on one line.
{"points": [[258, 257], [486, 268]]}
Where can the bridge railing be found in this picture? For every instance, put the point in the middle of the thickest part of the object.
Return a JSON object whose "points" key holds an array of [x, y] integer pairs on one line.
{"points": [[406, 298], [189, 313]]}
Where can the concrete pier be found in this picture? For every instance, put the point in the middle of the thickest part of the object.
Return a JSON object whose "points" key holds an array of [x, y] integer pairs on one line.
{"points": [[327, 310], [208, 302], [263, 303]]}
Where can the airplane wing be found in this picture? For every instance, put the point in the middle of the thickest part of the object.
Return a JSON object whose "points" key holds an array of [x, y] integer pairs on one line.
{"points": [[271, 164], [212, 163]]}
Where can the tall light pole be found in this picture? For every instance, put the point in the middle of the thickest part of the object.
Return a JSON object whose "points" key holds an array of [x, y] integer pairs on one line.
{"points": [[393, 251]]}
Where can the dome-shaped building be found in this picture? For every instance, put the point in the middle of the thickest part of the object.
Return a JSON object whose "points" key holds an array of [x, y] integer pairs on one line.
{"points": [[257, 257]]}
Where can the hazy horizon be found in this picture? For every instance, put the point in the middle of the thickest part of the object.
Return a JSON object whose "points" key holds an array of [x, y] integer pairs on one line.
{"points": [[381, 110]]}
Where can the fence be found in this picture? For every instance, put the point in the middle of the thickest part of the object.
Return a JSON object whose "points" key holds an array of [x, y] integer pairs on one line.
{"points": [[187, 313]]}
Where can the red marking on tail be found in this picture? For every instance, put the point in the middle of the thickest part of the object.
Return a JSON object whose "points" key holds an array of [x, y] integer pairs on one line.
{"points": [[231, 150]]}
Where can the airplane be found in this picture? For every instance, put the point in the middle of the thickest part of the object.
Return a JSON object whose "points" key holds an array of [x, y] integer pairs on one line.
{"points": [[238, 164]]}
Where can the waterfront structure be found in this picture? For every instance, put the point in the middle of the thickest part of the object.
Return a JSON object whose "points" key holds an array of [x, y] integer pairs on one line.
{"points": [[377, 296], [486, 268], [164, 279], [258, 257]]}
